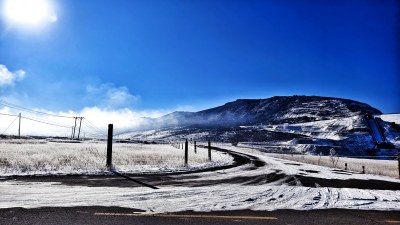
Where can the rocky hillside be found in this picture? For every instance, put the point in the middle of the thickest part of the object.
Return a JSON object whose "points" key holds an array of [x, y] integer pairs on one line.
{"points": [[275, 110], [291, 124]]}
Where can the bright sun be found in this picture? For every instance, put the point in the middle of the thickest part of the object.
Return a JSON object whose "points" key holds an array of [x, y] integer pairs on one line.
{"points": [[29, 12]]}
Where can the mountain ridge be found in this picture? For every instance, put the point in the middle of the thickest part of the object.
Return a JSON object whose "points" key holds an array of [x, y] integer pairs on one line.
{"points": [[291, 124], [274, 110]]}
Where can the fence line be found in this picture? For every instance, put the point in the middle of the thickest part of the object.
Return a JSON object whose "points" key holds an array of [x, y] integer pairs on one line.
{"points": [[371, 166]]}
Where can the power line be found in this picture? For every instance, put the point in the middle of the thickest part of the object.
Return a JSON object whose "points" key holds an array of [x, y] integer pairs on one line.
{"points": [[117, 132], [36, 120], [9, 126], [5, 114], [89, 124], [94, 130], [2, 102], [46, 122], [82, 119], [96, 135], [97, 131]]}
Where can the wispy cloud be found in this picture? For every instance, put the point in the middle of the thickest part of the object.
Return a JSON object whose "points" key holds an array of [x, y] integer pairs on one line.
{"points": [[49, 123], [8, 77], [106, 104], [109, 96]]}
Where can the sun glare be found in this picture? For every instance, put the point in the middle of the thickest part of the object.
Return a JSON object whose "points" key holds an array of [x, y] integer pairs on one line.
{"points": [[29, 12]]}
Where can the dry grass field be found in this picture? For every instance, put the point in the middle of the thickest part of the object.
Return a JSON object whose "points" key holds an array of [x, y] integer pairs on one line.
{"points": [[38, 157]]}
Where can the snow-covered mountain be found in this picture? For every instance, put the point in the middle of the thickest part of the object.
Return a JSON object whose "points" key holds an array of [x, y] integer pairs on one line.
{"points": [[309, 124], [275, 110]]}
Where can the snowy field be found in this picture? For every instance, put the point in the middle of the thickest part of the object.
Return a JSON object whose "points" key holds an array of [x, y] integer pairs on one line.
{"points": [[391, 118], [269, 187], [372, 166], [33, 157]]}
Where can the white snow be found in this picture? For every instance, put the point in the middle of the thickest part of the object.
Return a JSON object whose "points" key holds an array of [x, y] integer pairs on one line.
{"points": [[324, 129], [391, 118], [31, 157], [371, 166], [391, 134], [242, 194], [218, 197]]}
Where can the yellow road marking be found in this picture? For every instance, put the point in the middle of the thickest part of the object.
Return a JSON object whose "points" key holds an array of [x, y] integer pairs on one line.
{"points": [[190, 216], [392, 221]]}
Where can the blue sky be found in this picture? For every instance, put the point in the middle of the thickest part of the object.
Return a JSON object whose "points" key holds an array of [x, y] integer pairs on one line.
{"points": [[192, 55]]}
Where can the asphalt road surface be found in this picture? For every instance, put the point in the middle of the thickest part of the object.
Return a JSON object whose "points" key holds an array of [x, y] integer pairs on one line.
{"points": [[114, 215]]}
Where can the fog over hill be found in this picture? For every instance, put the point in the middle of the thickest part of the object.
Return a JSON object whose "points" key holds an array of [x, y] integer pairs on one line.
{"points": [[275, 110], [298, 124]]}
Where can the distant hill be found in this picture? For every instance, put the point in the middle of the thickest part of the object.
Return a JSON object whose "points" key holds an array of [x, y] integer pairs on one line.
{"points": [[275, 110], [292, 124]]}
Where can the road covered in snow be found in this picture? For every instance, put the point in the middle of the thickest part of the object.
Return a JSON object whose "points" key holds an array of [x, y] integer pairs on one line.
{"points": [[259, 182]]}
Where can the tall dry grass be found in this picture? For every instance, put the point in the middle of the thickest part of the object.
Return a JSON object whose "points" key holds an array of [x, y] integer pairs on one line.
{"points": [[27, 157]]}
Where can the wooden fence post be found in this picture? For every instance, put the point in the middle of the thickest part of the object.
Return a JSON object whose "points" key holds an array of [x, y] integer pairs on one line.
{"points": [[109, 146], [186, 152], [363, 168], [398, 159], [195, 147], [209, 150], [345, 166]]}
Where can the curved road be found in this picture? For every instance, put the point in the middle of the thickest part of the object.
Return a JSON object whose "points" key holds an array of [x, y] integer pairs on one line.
{"points": [[237, 174], [247, 169], [255, 182]]}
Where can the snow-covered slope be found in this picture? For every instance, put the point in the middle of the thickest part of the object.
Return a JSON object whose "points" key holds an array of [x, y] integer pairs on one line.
{"points": [[347, 135], [275, 110], [392, 118], [311, 124], [391, 128]]}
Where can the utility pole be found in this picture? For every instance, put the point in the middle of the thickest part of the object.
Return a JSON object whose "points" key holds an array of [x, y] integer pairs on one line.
{"points": [[186, 152], [19, 126], [109, 147], [209, 150], [80, 123], [398, 160], [73, 132]]}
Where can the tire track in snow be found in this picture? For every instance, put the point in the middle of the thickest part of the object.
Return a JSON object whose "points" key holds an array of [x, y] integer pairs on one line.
{"points": [[273, 185]]}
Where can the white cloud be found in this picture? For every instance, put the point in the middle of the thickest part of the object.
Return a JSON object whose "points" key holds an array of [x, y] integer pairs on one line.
{"points": [[94, 125], [109, 96], [8, 78], [120, 96], [109, 105]]}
